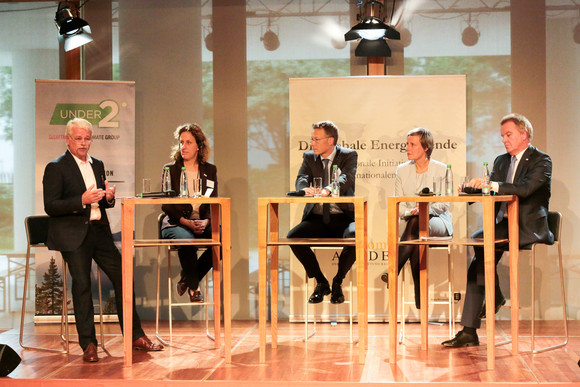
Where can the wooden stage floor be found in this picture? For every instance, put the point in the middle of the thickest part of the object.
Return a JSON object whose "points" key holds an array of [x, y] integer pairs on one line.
{"points": [[326, 357]]}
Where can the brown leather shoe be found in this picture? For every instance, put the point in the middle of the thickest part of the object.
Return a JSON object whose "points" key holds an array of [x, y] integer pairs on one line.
{"points": [[181, 288], [90, 353], [195, 296], [144, 344]]}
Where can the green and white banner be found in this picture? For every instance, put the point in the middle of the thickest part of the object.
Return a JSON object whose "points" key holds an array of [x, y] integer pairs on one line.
{"points": [[110, 107]]}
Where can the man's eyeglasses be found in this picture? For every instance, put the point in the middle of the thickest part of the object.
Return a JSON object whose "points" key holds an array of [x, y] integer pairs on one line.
{"points": [[317, 139], [81, 139]]}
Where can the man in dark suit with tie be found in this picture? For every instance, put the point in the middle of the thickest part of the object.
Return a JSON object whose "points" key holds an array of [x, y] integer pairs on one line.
{"points": [[523, 171], [328, 220], [76, 194]]}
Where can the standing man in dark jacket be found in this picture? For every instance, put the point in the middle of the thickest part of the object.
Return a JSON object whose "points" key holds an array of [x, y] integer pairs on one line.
{"points": [[76, 194], [523, 171], [328, 220]]}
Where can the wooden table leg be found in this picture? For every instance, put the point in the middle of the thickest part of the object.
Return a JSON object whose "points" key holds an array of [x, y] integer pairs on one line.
{"points": [[262, 273], [514, 247], [361, 283], [274, 224], [274, 234], [127, 220], [424, 277], [393, 235], [216, 274], [489, 264], [366, 276], [227, 277]]}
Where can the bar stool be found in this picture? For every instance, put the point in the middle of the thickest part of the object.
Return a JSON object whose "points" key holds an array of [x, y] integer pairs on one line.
{"points": [[450, 299], [348, 302], [555, 226], [171, 304], [36, 234]]}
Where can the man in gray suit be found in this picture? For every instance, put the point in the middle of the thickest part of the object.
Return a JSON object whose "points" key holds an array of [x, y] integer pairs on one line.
{"points": [[523, 171], [76, 194], [328, 220]]}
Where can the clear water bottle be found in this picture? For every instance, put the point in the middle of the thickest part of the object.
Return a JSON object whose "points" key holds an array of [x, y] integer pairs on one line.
{"points": [[166, 180], [183, 189], [335, 181], [448, 181], [485, 183]]}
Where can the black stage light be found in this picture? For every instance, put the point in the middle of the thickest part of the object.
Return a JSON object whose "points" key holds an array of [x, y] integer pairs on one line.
{"points": [[470, 36], [270, 40], [372, 30], [73, 31]]}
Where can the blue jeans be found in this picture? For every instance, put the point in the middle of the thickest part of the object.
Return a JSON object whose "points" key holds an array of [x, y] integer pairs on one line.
{"points": [[193, 269]]}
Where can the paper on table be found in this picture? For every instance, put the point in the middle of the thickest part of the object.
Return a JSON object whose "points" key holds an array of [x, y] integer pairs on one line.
{"points": [[437, 238]]}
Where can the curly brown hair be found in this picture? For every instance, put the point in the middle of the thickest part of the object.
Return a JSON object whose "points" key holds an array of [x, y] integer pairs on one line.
{"points": [[200, 139]]}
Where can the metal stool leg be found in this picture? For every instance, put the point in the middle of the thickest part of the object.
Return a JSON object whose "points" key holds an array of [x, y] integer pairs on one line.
{"points": [[306, 314], [170, 296], [157, 294], [450, 302], [172, 304], [563, 297], [402, 303], [212, 337], [308, 335]]}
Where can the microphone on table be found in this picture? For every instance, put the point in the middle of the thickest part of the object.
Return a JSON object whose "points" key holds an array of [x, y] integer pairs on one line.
{"points": [[296, 193]]}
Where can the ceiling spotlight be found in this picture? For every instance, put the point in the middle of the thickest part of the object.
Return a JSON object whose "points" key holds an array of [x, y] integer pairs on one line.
{"points": [[373, 31], [577, 34], [73, 31], [270, 39], [470, 36]]}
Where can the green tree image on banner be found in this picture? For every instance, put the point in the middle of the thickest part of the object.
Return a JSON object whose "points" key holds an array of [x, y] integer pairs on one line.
{"points": [[49, 294]]}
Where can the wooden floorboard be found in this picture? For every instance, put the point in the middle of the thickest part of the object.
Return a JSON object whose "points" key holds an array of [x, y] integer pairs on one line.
{"points": [[326, 357]]}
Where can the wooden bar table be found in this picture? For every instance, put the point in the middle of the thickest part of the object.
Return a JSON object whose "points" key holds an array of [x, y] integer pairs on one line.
{"points": [[488, 242], [220, 219], [268, 237]]}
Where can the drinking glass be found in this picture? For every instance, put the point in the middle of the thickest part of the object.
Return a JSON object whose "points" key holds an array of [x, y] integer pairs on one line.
{"points": [[317, 187], [196, 188]]}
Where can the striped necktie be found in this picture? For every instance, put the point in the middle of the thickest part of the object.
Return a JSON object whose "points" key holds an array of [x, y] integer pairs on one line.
{"points": [[325, 206]]}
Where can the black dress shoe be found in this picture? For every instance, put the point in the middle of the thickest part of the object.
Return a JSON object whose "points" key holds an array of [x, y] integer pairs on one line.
{"points": [[336, 296], [321, 290], [462, 339], [181, 287], [385, 278], [498, 305], [195, 296]]}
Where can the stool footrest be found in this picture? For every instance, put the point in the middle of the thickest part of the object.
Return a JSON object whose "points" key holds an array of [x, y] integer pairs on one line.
{"points": [[175, 242], [313, 242]]}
